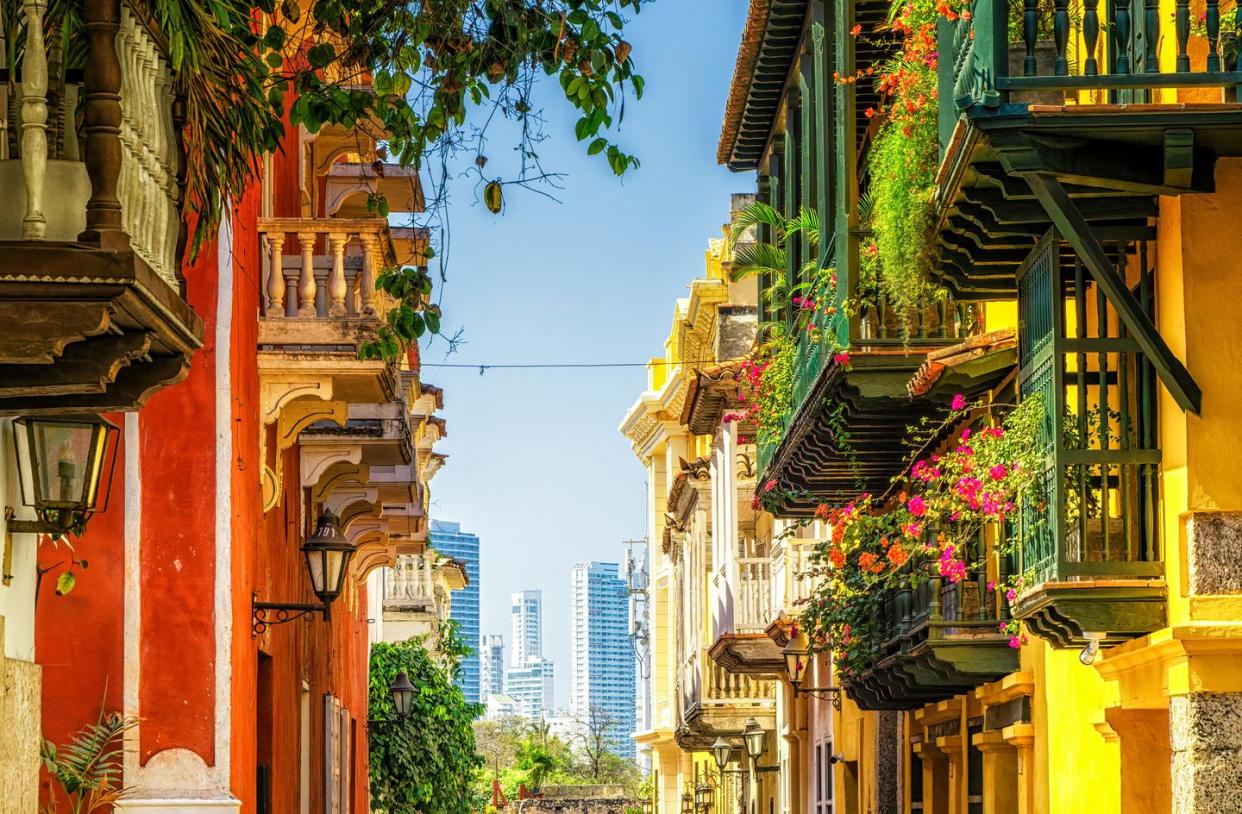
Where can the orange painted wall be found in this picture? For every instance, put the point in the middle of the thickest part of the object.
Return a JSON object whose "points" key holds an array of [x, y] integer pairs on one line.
{"points": [[84, 626], [177, 569]]}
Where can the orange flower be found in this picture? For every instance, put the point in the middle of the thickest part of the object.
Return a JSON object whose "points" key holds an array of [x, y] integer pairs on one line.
{"points": [[866, 560], [837, 556], [822, 512], [896, 554], [856, 30]]}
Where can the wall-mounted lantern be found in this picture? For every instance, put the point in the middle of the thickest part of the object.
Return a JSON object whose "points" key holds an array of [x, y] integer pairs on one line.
{"points": [[327, 554], [401, 691], [753, 737], [797, 653], [63, 469]]}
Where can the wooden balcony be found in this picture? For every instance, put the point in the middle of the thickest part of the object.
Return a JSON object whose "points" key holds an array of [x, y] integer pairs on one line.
{"points": [[1090, 127], [717, 701], [845, 428], [1092, 543], [91, 231], [939, 639], [742, 645]]}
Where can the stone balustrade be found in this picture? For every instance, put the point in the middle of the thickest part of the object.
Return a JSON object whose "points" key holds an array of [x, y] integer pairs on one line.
{"points": [[323, 268]]}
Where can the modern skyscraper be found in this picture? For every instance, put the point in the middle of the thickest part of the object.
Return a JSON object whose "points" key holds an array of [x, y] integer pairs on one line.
{"points": [[448, 539], [528, 680], [603, 669], [491, 667], [527, 642]]}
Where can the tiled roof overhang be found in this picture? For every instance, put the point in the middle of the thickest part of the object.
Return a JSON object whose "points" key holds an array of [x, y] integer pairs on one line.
{"points": [[769, 46]]}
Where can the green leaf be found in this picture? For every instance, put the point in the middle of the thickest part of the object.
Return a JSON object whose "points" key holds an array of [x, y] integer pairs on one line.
{"points": [[65, 583], [597, 146]]}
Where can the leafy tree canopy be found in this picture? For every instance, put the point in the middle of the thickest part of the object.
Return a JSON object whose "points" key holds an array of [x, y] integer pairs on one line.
{"points": [[425, 763]]}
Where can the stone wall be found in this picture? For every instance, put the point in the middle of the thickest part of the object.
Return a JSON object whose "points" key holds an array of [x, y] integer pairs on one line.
{"points": [[1205, 733], [1214, 553], [581, 800], [19, 745]]}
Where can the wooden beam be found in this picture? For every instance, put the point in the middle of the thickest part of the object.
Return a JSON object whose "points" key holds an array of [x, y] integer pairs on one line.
{"points": [[1075, 229]]}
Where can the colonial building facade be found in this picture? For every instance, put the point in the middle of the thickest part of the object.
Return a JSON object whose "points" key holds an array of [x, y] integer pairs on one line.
{"points": [[1079, 230], [245, 441]]}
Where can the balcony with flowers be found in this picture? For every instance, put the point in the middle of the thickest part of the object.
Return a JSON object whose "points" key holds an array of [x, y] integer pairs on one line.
{"points": [[914, 585]]}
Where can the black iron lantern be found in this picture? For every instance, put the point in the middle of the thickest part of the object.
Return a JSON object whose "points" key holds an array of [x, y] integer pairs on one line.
{"points": [[402, 692], [721, 750], [327, 555], [752, 736], [797, 652], [62, 464], [687, 803], [702, 797], [648, 806]]}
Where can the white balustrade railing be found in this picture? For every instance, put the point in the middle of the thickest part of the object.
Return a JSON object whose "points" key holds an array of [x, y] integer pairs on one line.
{"points": [[752, 594], [147, 185], [410, 579], [720, 684], [322, 267]]}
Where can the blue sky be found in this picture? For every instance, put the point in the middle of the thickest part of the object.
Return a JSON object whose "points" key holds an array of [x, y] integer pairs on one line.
{"points": [[537, 467]]}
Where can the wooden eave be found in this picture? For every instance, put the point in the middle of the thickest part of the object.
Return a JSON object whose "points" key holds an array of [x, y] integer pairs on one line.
{"points": [[753, 654], [759, 82], [709, 395], [989, 219], [87, 329]]}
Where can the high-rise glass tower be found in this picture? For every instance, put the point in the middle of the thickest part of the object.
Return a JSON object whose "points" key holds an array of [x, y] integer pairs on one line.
{"points": [[528, 681], [526, 644], [448, 539], [603, 669], [491, 667]]}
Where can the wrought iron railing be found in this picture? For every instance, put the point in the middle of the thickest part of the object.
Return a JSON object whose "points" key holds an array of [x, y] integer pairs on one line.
{"points": [[1080, 52]]}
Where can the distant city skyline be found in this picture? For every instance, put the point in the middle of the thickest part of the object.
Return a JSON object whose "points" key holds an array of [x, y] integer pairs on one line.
{"points": [[536, 466], [448, 539]]}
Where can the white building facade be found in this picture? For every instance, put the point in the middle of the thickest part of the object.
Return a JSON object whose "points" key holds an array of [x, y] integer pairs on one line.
{"points": [[603, 662]]}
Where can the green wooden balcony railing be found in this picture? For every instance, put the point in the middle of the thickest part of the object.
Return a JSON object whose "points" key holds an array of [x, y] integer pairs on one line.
{"points": [[1068, 47], [1097, 506]]}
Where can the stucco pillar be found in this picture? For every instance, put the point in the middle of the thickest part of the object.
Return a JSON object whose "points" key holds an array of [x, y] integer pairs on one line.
{"points": [[1000, 772], [935, 768], [1022, 738], [1143, 736], [952, 746], [1205, 734], [20, 685]]}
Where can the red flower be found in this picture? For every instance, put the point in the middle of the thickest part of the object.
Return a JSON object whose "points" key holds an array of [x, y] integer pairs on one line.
{"points": [[856, 30]]}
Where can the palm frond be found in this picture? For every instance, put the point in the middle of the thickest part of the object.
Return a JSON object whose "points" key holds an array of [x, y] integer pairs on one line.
{"points": [[866, 205], [89, 767], [806, 223], [757, 258], [757, 214]]}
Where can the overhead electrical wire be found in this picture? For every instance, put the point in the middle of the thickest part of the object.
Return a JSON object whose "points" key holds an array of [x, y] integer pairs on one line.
{"points": [[561, 365]]}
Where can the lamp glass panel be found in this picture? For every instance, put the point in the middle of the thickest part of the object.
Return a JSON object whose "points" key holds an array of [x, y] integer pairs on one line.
{"points": [[99, 448], [753, 736], [62, 454], [25, 467], [315, 562]]}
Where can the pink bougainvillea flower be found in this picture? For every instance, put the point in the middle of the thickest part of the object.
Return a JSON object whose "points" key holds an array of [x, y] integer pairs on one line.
{"points": [[1011, 595], [965, 433], [991, 585], [1015, 642], [916, 506], [841, 358], [998, 472], [959, 402]]}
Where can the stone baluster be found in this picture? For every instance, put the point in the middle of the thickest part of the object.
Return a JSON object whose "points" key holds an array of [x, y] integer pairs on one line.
{"points": [[276, 276], [321, 291], [336, 283], [102, 124], [351, 292], [34, 120], [370, 256], [292, 277], [306, 287]]}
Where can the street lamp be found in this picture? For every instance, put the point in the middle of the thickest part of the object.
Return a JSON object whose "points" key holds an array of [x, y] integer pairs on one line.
{"points": [[327, 554], [687, 803], [753, 737], [721, 750], [648, 806], [402, 692], [60, 466], [797, 653], [703, 797]]}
